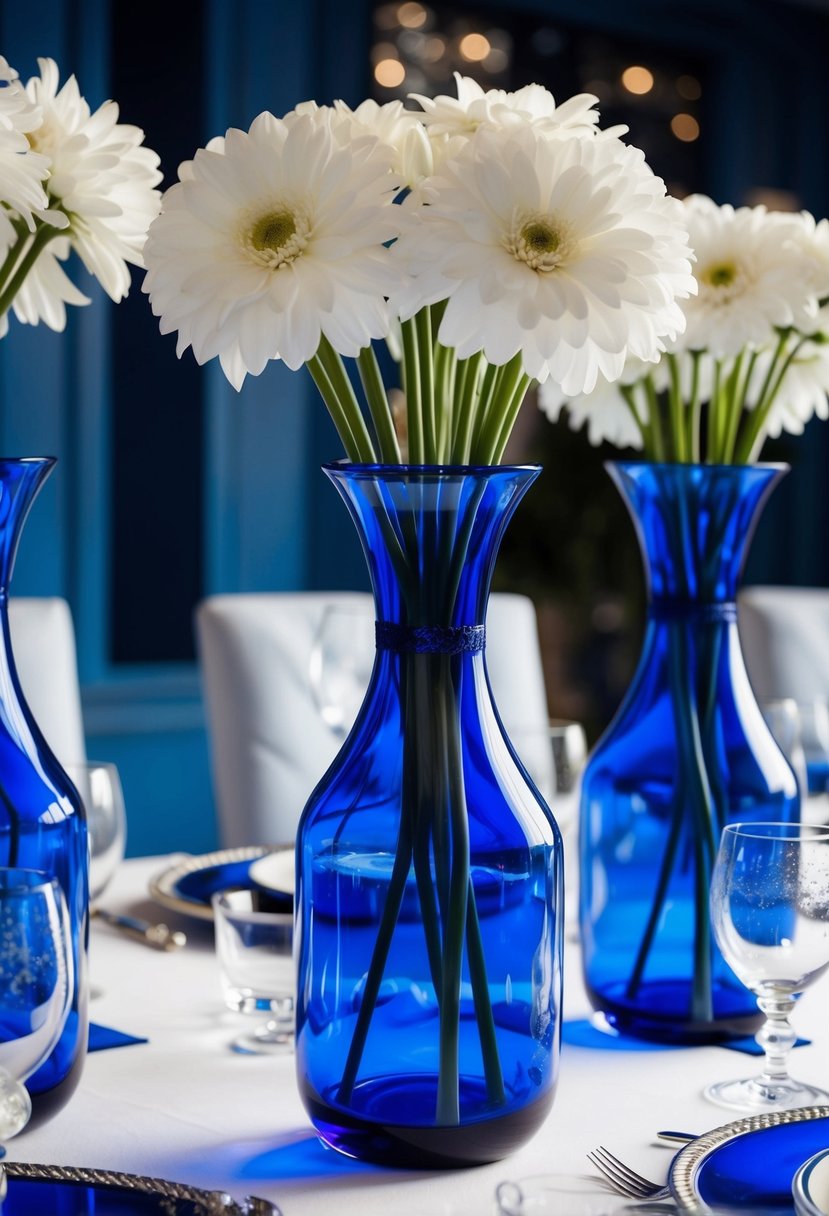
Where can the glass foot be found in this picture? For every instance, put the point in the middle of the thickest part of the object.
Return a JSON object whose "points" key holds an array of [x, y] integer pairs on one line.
{"points": [[755, 1095], [269, 1038], [15, 1107]]}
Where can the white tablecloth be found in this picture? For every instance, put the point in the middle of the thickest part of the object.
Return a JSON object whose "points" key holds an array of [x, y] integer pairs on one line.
{"points": [[184, 1107]]}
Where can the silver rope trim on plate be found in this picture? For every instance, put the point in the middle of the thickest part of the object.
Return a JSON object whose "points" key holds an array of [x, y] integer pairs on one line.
{"points": [[204, 1203]]}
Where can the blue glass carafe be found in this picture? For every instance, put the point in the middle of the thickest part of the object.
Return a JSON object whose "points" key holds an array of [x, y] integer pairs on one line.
{"points": [[429, 888], [42, 821], [687, 752]]}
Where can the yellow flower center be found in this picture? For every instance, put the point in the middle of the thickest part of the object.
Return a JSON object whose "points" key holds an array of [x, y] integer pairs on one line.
{"points": [[540, 240], [275, 238], [720, 274], [273, 231], [540, 237]]}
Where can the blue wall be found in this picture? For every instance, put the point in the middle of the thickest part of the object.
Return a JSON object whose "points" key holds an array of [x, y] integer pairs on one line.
{"points": [[266, 517]]}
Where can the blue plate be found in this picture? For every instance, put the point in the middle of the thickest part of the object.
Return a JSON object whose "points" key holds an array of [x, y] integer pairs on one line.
{"points": [[189, 885], [750, 1164], [50, 1190]]}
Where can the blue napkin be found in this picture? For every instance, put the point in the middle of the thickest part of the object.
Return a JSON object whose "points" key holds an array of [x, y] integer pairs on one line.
{"points": [[102, 1037], [580, 1032]]}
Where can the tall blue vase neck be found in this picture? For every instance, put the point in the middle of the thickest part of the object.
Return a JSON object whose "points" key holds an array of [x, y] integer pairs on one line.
{"points": [[431, 534], [20, 481], [694, 524]]}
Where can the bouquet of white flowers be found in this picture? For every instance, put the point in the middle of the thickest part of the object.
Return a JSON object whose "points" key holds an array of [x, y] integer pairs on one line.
{"points": [[69, 179], [752, 359], [490, 240]]}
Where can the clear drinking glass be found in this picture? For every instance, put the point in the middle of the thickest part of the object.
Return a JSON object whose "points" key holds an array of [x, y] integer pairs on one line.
{"points": [[254, 947], [342, 657], [36, 982], [770, 915], [554, 756], [99, 786]]}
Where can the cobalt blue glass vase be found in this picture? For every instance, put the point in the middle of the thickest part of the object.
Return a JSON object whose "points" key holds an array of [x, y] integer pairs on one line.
{"points": [[687, 752], [42, 822], [429, 897]]}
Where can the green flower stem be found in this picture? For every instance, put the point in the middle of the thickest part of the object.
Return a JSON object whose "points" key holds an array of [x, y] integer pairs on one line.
{"points": [[711, 444], [676, 410], [507, 379], [380, 954], [448, 1098], [755, 436], [378, 404], [628, 392], [346, 398], [411, 387], [485, 394], [694, 409], [735, 389], [445, 369], [423, 331], [23, 263], [511, 412], [658, 442], [483, 1006], [466, 412], [338, 415]]}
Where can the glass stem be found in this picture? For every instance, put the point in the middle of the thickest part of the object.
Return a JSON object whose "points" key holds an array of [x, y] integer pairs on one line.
{"points": [[777, 1038]]}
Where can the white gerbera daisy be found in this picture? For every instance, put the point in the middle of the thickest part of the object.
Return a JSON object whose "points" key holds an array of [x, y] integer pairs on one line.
{"points": [[100, 176], [22, 171], [496, 108], [273, 239], [565, 250], [753, 271]]}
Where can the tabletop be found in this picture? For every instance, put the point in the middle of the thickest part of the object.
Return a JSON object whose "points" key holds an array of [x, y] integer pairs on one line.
{"points": [[184, 1107]]}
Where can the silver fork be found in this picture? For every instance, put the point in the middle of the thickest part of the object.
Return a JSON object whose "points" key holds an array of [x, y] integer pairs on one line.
{"points": [[624, 1180]]}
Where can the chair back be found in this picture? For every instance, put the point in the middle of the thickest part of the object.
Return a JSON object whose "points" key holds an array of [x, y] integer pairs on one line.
{"points": [[269, 741], [43, 643], [784, 633]]}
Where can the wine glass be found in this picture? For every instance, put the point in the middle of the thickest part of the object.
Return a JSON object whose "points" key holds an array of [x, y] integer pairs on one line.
{"points": [[254, 947], [342, 656], [35, 985], [770, 915], [99, 786]]}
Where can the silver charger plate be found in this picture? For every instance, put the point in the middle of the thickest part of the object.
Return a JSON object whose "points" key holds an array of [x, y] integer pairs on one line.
{"points": [[690, 1162], [186, 886], [57, 1190]]}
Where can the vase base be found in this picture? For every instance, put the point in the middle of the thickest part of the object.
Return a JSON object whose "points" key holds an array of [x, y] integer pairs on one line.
{"points": [[668, 1028], [478, 1142]]}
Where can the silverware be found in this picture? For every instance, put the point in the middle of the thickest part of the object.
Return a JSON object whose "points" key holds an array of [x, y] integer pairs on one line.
{"points": [[159, 936], [624, 1180], [677, 1137]]}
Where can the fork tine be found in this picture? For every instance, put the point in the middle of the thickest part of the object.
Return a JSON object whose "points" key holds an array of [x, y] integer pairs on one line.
{"points": [[614, 1179], [629, 1173], [635, 1185]]}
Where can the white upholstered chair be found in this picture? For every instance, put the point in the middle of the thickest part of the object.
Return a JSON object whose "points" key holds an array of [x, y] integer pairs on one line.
{"points": [[43, 644], [785, 638], [269, 743]]}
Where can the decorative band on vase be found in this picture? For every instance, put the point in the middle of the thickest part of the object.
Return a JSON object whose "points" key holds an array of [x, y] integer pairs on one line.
{"points": [[693, 611], [429, 639]]}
